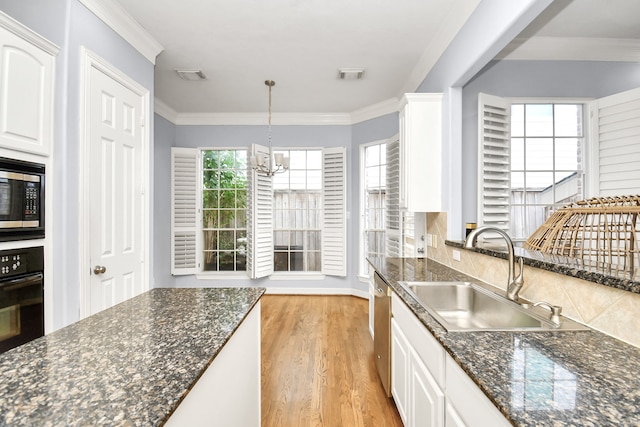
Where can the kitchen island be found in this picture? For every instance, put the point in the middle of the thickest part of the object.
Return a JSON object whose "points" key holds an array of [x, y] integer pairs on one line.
{"points": [[581, 378], [132, 364]]}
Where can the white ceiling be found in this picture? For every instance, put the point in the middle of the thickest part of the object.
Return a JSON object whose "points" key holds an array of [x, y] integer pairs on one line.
{"points": [[301, 44], [298, 43]]}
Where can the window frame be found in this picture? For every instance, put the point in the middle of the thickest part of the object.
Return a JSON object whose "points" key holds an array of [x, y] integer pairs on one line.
{"points": [[587, 146], [303, 274], [200, 272], [186, 216], [363, 269]]}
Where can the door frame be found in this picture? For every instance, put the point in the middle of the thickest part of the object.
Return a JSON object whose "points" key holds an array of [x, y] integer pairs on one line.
{"points": [[90, 60]]}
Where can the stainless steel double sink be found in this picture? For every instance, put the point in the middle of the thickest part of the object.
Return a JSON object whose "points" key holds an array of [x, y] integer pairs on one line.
{"points": [[465, 306]]}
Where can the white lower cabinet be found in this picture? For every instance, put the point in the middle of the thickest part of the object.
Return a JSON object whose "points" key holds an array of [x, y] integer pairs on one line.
{"points": [[470, 407], [428, 386], [427, 398], [228, 393]]}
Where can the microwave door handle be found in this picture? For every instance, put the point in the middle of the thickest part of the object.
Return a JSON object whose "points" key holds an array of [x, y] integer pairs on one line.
{"points": [[22, 282]]}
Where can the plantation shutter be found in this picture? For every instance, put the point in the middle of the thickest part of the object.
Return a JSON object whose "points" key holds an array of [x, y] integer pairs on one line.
{"points": [[494, 120], [393, 247], [334, 218], [184, 206], [616, 132], [259, 220]]}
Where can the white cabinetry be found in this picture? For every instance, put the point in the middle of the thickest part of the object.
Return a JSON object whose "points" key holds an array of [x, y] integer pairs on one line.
{"points": [[417, 370], [428, 386], [27, 70], [467, 405], [421, 152], [228, 392]]}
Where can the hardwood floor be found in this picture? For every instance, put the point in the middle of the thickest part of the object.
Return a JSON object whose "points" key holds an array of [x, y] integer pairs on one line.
{"points": [[317, 364]]}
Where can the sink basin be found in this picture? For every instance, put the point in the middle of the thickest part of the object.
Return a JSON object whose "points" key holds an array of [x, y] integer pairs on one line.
{"points": [[465, 306]]}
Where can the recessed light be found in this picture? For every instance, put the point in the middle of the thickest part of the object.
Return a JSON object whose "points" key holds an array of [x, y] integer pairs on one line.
{"points": [[350, 73], [191, 75]]}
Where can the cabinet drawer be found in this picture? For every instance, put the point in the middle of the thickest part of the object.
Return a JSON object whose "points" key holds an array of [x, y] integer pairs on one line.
{"points": [[426, 346]]}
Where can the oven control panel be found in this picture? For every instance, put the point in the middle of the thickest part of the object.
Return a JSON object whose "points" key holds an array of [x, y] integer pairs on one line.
{"points": [[15, 262], [12, 264]]}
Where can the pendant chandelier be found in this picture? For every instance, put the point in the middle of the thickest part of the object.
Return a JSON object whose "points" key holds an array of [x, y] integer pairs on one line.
{"points": [[275, 162]]}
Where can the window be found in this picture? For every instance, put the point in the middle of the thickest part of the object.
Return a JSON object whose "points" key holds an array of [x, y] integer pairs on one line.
{"points": [[530, 162], [297, 212], [546, 163], [227, 218], [224, 214], [374, 191]]}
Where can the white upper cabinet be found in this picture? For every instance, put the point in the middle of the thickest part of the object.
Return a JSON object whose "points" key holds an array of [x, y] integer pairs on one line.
{"points": [[27, 73], [421, 152]]}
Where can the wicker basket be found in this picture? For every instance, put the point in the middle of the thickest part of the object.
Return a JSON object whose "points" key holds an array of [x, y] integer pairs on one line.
{"points": [[602, 231]]}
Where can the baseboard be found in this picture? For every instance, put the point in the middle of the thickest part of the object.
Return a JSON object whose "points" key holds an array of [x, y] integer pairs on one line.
{"points": [[317, 291]]}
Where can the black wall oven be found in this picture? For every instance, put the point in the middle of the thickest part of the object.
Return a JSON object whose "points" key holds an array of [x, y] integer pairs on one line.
{"points": [[21, 296], [21, 200]]}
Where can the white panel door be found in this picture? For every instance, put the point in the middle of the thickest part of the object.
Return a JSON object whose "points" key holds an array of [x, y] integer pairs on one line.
{"points": [[116, 196]]}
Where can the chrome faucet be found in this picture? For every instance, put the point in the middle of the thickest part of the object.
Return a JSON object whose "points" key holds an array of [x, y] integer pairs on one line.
{"points": [[515, 283]]}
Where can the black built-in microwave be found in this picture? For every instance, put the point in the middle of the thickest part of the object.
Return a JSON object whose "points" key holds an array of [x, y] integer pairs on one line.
{"points": [[21, 200]]}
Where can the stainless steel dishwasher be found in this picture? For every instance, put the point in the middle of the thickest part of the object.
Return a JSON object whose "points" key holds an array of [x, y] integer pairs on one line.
{"points": [[382, 331]]}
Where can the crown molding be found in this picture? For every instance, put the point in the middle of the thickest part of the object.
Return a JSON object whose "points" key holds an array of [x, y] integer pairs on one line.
{"points": [[27, 34], [165, 111], [383, 108], [572, 49], [290, 119], [303, 119], [116, 17]]}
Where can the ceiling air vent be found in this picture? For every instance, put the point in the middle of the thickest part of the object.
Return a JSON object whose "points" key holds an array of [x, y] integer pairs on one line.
{"points": [[350, 73], [192, 75]]}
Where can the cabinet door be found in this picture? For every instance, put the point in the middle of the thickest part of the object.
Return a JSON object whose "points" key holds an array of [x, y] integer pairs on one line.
{"points": [[26, 94], [399, 370], [427, 399], [452, 417], [421, 152]]}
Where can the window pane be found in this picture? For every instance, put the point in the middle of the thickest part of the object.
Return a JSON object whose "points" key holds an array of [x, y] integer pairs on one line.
{"points": [[210, 261], [372, 155], [210, 219], [372, 178], [209, 160], [567, 150], [517, 154], [314, 180], [313, 241], [297, 180], [281, 261], [241, 219], [210, 240], [298, 159], [539, 154], [568, 120], [314, 261], [210, 179], [517, 120], [314, 160], [226, 261], [281, 181], [539, 120], [517, 180], [538, 181], [209, 198], [226, 240]]}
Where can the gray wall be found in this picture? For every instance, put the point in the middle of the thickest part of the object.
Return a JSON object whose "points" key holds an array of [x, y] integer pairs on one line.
{"points": [[568, 79], [70, 25]]}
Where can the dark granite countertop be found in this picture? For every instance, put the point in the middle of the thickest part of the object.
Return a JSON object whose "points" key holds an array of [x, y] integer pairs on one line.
{"points": [[581, 378], [615, 276], [130, 365]]}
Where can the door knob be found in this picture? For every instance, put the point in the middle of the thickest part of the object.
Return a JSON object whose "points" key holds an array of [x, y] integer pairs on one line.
{"points": [[99, 269]]}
